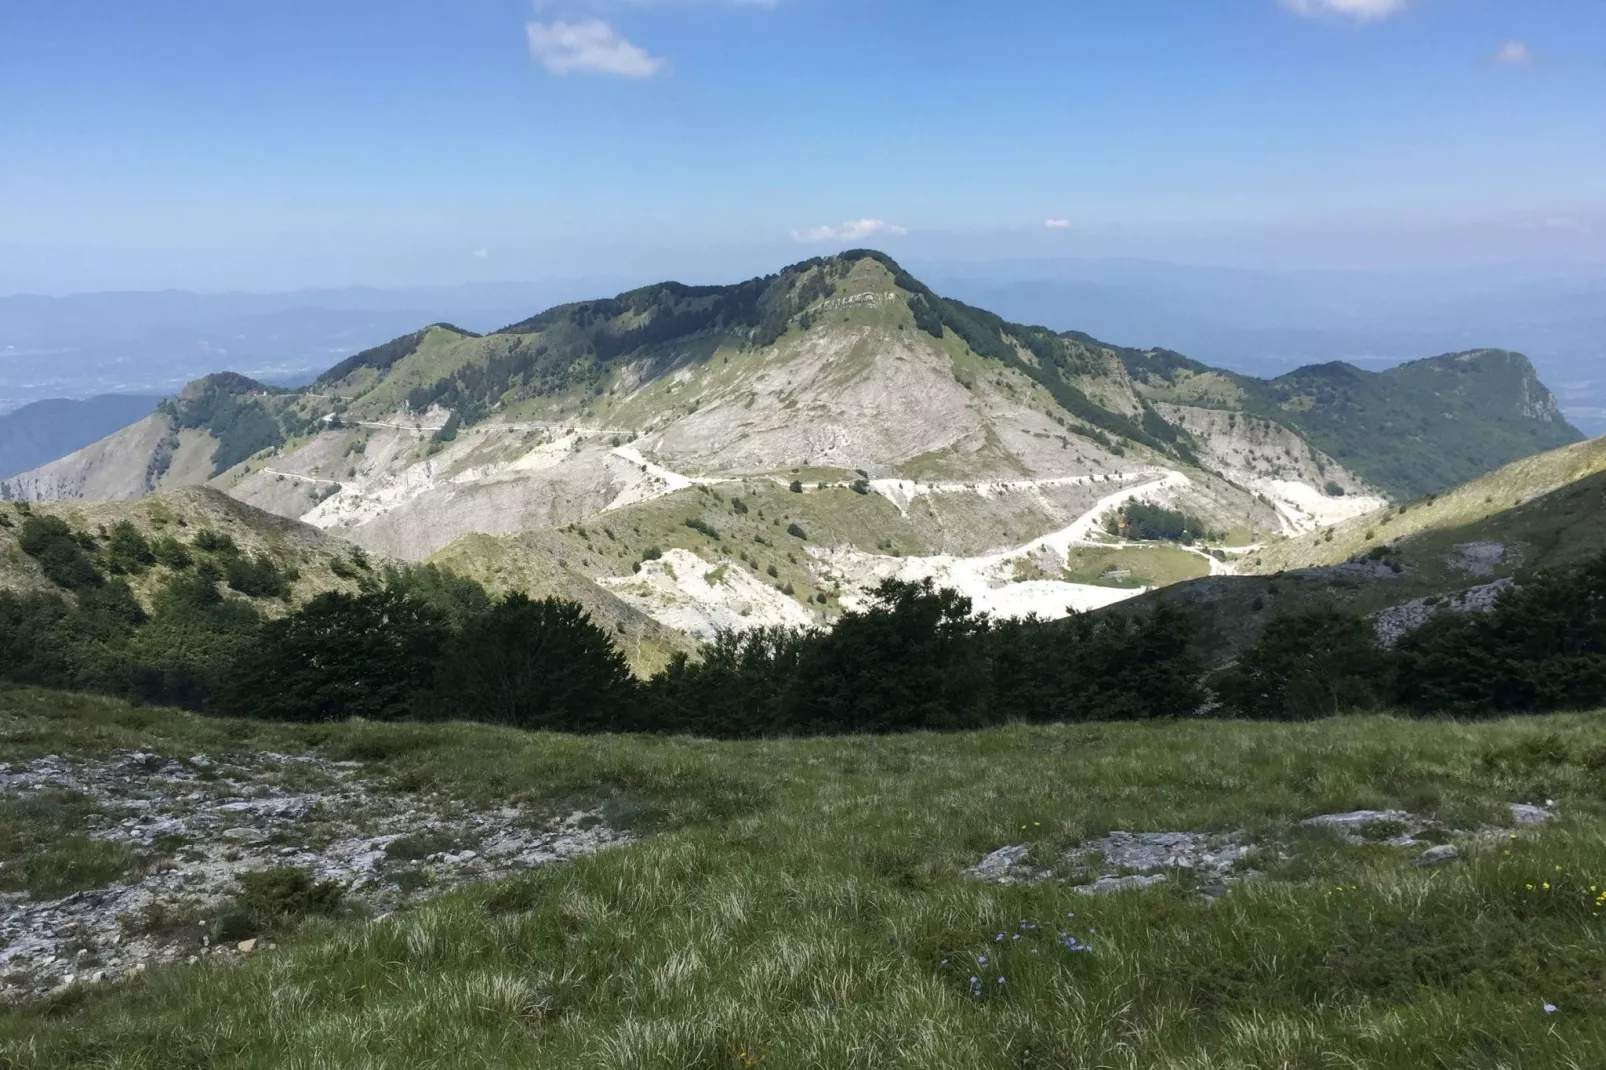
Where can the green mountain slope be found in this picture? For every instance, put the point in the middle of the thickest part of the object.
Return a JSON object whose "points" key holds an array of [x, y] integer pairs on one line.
{"points": [[1412, 430], [576, 351], [1543, 512]]}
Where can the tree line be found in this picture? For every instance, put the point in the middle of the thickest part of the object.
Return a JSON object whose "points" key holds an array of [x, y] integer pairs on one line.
{"points": [[217, 634]]}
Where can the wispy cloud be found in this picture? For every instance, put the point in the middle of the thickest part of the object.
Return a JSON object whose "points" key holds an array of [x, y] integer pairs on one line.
{"points": [[1361, 10], [590, 47], [1057, 224], [1513, 54], [480, 254], [580, 36], [851, 230]]}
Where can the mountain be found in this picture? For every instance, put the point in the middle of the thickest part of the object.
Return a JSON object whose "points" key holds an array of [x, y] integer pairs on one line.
{"points": [[1266, 323], [39, 433], [1412, 430], [313, 560], [1401, 562], [729, 456], [155, 342]]}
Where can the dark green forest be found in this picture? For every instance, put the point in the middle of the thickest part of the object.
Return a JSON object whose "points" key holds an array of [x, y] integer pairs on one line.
{"points": [[420, 643]]}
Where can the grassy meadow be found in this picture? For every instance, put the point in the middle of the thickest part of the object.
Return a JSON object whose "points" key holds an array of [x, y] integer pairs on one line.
{"points": [[802, 904]]}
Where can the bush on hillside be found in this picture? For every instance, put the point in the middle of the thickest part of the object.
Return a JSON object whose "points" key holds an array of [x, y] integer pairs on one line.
{"points": [[61, 555], [533, 664], [1313, 662], [1542, 647]]}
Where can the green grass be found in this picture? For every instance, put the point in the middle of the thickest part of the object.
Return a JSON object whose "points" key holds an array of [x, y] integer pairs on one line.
{"points": [[1133, 566], [44, 852], [795, 901]]}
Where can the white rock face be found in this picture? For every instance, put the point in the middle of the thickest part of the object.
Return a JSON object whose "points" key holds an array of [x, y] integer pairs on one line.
{"points": [[1272, 461], [988, 581], [701, 598]]}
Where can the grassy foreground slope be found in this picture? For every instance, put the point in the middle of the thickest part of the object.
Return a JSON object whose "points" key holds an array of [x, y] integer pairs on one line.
{"points": [[801, 904]]}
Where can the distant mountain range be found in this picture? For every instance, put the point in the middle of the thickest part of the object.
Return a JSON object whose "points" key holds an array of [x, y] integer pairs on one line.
{"points": [[725, 456], [1261, 323], [38, 433]]}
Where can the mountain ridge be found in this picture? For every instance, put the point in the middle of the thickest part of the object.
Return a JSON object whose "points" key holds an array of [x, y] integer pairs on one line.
{"points": [[665, 410]]}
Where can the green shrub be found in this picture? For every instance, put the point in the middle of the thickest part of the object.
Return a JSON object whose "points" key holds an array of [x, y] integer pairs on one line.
{"points": [[1315, 662], [128, 550], [698, 524], [277, 899], [51, 542], [214, 542]]}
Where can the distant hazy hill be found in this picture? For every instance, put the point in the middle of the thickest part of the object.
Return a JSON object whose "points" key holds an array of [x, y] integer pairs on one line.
{"points": [[1412, 430], [41, 432]]}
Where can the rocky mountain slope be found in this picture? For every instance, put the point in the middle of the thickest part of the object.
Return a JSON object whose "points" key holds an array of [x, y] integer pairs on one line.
{"points": [[1412, 430], [1401, 563], [585, 449]]}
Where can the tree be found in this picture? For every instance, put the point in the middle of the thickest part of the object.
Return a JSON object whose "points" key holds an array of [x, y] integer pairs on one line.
{"points": [[128, 549], [368, 655], [908, 661], [1309, 663], [534, 664]]}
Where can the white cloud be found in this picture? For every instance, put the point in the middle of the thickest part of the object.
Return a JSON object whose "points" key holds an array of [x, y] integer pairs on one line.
{"points": [[1513, 54], [852, 230], [481, 254], [1362, 10], [590, 47], [1057, 224]]}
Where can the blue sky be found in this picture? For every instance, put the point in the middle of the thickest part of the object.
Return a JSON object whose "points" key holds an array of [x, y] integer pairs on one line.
{"points": [[213, 144]]}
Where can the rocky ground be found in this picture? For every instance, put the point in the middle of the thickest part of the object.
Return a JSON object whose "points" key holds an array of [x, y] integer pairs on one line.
{"points": [[1123, 861], [178, 835]]}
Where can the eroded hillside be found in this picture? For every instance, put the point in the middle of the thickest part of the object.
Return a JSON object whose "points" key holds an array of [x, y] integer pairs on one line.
{"points": [[909, 435]]}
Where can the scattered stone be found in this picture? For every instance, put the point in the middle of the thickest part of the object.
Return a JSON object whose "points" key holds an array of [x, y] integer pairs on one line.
{"points": [[1356, 820], [1396, 622], [999, 865], [1477, 558], [1434, 856], [1150, 852], [1526, 814], [245, 947], [244, 835], [1127, 860], [1112, 884], [227, 829]]}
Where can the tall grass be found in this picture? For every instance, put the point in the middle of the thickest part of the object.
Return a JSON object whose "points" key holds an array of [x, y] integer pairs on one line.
{"points": [[801, 904]]}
